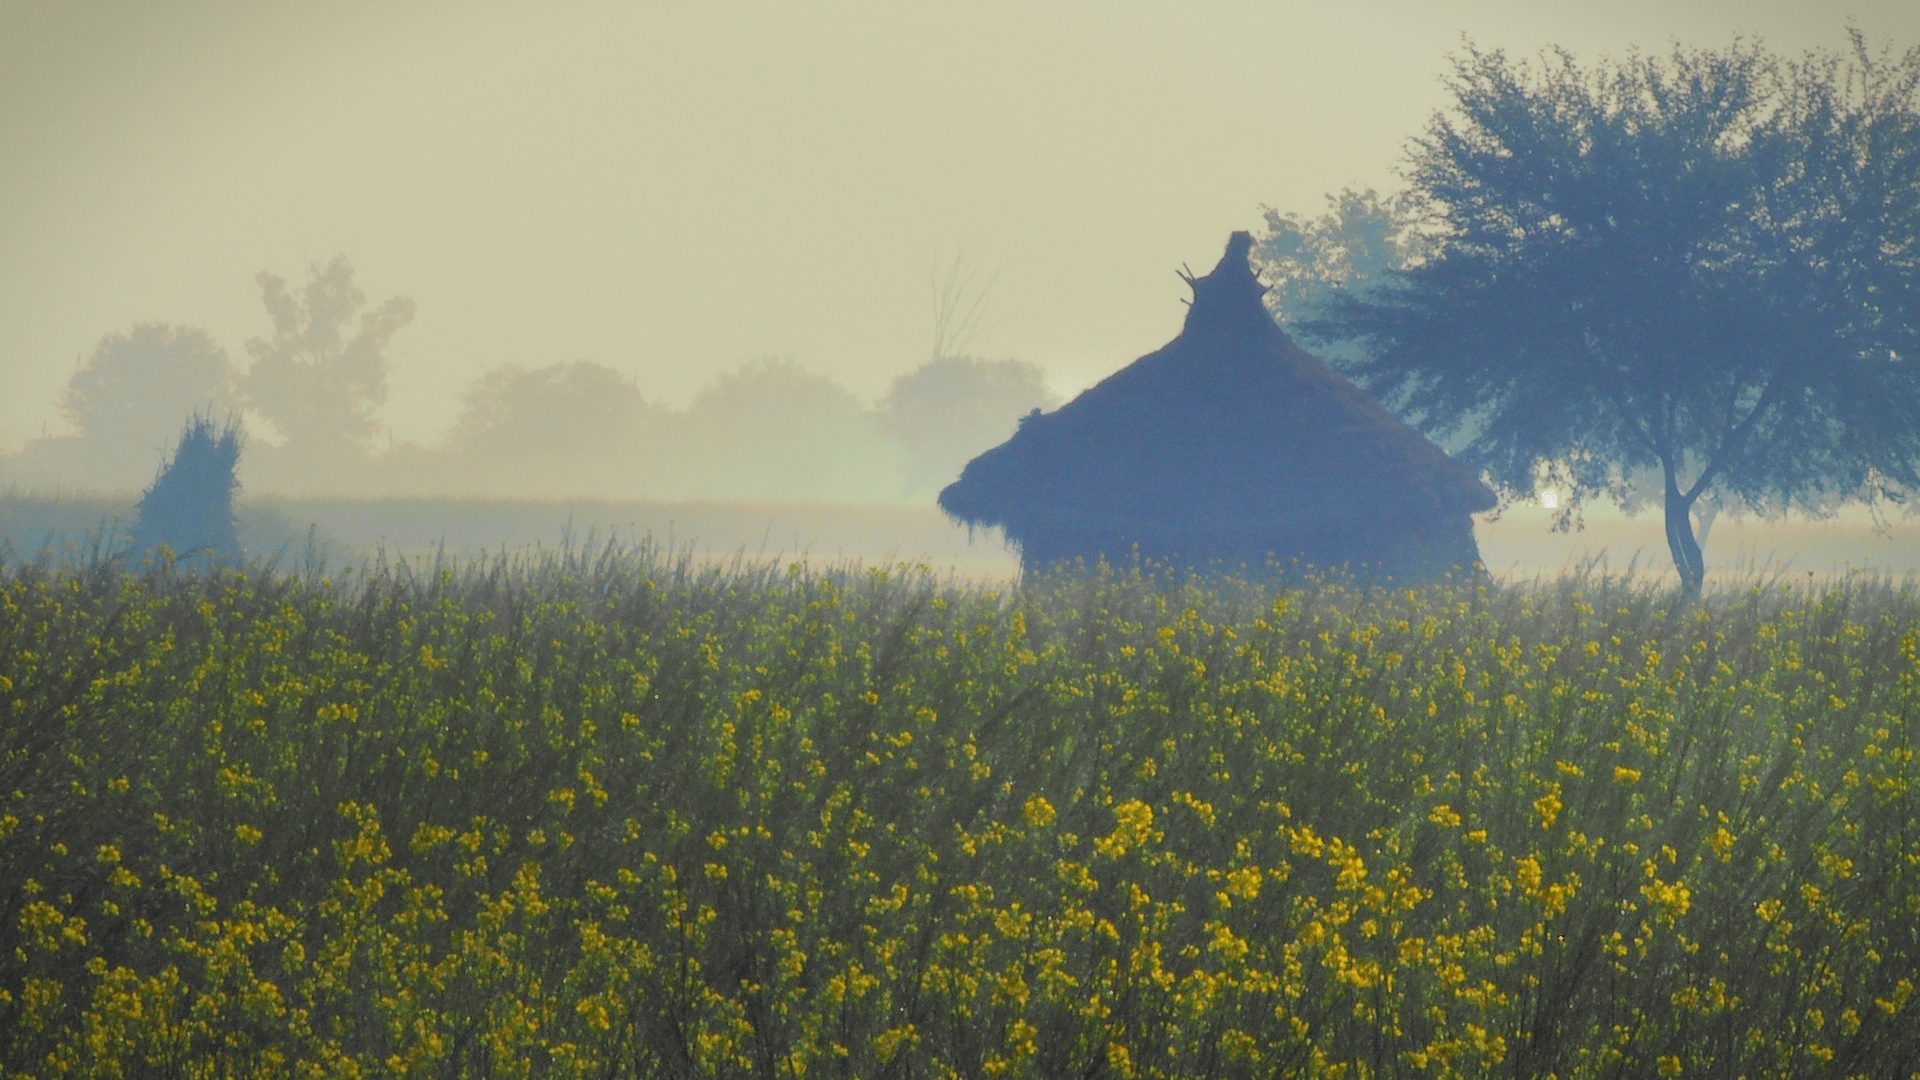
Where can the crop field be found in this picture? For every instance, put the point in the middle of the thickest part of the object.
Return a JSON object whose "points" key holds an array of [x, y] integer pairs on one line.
{"points": [[611, 813], [284, 531]]}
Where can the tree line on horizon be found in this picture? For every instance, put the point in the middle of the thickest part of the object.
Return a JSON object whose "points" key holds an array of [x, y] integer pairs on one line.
{"points": [[1683, 281], [766, 429]]}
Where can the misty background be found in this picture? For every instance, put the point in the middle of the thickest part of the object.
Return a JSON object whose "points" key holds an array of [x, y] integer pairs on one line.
{"points": [[715, 256], [311, 393]]}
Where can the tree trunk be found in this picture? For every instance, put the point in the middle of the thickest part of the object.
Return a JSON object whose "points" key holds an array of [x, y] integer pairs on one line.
{"points": [[1681, 544]]}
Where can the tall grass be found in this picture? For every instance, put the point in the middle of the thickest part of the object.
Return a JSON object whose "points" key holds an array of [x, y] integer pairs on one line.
{"points": [[615, 813]]}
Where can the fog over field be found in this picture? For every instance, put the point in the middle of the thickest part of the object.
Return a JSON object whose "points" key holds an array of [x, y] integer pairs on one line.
{"points": [[762, 276], [998, 538]]}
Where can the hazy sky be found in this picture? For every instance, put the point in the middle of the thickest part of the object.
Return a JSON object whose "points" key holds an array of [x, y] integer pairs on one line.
{"points": [[671, 188]]}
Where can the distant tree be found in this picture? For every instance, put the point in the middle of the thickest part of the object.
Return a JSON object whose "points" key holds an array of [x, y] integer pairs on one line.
{"points": [[189, 508], [959, 300], [1706, 265], [130, 397], [946, 411], [576, 428], [322, 374], [1356, 246], [772, 429]]}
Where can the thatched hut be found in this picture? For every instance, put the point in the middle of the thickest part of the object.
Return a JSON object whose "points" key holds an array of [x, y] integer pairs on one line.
{"points": [[1231, 445]]}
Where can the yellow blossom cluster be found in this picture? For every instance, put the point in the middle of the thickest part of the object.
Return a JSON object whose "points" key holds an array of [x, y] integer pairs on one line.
{"points": [[619, 814]]}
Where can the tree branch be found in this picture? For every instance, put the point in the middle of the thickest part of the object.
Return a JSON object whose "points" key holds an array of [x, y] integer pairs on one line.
{"points": [[1616, 388], [1736, 439]]}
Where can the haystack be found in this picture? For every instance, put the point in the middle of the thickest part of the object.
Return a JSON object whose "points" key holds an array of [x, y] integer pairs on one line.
{"points": [[1230, 446], [189, 508]]}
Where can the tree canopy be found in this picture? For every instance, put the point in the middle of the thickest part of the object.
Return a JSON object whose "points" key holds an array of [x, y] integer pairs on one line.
{"points": [[1704, 263], [131, 396], [561, 429], [1356, 245], [774, 429], [947, 410], [322, 374]]}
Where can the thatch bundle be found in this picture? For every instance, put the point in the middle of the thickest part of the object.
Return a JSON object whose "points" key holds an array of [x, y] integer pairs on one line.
{"points": [[189, 508], [1229, 445]]}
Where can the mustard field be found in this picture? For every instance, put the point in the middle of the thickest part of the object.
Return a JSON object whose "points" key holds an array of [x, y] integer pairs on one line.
{"points": [[610, 814]]}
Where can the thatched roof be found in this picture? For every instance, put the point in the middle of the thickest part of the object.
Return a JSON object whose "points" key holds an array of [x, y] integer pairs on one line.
{"points": [[1231, 433]]}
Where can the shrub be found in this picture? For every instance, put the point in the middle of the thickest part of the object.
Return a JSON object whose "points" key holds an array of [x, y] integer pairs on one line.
{"points": [[189, 508]]}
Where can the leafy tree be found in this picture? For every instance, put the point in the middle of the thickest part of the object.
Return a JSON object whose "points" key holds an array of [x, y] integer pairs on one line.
{"points": [[772, 429], [322, 374], [1704, 264], [1356, 246], [131, 396], [948, 410], [575, 428], [1359, 245]]}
